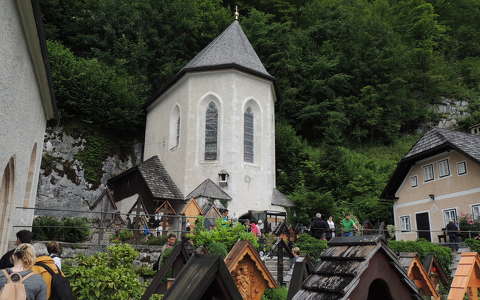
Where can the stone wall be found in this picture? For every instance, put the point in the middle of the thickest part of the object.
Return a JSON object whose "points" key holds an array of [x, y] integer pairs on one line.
{"points": [[62, 183]]}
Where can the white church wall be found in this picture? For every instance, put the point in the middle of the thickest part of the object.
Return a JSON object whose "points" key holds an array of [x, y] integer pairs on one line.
{"points": [[158, 130], [22, 118], [250, 184]]}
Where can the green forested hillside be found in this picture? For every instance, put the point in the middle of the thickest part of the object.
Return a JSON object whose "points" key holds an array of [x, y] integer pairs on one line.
{"points": [[355, 78]]}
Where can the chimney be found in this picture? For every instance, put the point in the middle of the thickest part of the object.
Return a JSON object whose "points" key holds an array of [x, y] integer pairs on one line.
{"points": [[475, 129]]}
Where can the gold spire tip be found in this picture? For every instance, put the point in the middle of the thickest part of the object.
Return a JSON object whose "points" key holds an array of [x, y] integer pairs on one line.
{"points": [[237, 14]]}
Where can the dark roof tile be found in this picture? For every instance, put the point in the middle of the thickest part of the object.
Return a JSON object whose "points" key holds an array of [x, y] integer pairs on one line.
{"points": [[281, 199], [230, 47], [342, 265], [156, 177], [209, 189]]}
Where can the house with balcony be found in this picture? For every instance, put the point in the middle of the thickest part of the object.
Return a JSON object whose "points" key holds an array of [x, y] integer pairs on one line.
{"points": [[436, 182]]}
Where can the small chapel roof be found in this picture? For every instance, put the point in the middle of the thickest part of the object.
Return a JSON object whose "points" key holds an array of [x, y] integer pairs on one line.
{"points": [[281, 199], [153, 175], [204, 277], [159, 182], [231, 47], [209, 189], [343, 265]]}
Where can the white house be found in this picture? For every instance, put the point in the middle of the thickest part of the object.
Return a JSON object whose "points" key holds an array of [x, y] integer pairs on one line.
{"points": [[26, 104], [216, 120]]}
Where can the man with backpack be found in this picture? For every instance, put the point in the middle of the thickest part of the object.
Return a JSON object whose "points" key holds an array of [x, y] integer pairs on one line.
{"points": [[23, 237], [58, 287]]}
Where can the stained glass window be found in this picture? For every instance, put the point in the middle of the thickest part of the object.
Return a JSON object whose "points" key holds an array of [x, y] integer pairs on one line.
{"points": [[248, 138], [211, 129]]}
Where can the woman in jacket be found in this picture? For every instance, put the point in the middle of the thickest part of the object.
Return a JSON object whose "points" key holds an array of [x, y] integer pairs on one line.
{"points": [[43, 257], [23, 258]]}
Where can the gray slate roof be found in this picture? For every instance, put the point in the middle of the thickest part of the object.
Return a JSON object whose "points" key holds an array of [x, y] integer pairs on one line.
{"points": [[209, 189], [406, 258], [465, 142], [230, 47], [156, 177], [341, 267], [281, 199], [433, 142]]}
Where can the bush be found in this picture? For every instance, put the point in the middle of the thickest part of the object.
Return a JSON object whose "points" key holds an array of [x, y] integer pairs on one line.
{"points": [[276, 294], [422, 248], [473, 244], [216, 248], [72, 230], [156, 241], [223, 233], [123, 235], [106, 275], [75, 230], [46, 228], [311, 246]]}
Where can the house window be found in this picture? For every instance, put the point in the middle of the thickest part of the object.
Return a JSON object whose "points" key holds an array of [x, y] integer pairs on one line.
{"points": [[443, 168], [405, 223], [248, 138], [414, 181], [450, 215], [428, 172], [211, 128], [476, 211], [461, 168]]}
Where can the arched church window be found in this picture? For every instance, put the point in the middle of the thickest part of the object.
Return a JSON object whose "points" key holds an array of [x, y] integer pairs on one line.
{"points": [[211, 130], [248, 138], [174, 132], [31, 173], [178, 131], [7, 182]]}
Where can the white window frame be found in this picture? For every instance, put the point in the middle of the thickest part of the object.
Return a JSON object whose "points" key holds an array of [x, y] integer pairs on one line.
{"points": [[416, 181], [473, 211], [444, 211], [424, 173], [440, 169], [458, 171], [408, 227]]}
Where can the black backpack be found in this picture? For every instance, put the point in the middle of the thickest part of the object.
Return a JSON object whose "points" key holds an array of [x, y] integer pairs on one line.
{"points": [[60, 286]]}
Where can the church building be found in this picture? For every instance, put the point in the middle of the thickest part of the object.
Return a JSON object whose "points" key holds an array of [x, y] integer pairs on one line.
{"points": [[210, 134], [216, 120]]}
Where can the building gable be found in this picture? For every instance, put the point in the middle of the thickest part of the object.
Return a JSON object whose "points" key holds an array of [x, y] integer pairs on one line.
{"points": [[251, 275]]}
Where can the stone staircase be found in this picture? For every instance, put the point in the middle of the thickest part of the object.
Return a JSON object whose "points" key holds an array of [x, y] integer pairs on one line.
{"points": [[271, 263], [456, 257]]}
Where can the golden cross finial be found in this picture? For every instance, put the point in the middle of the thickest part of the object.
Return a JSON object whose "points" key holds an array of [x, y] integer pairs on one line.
{"points": [[237, 14]]}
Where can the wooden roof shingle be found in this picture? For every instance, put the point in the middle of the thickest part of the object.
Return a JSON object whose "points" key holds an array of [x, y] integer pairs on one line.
{"points": [[342, 265]]}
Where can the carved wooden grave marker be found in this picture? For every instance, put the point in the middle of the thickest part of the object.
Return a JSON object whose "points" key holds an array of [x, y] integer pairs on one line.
{"points": [[250, 273]]}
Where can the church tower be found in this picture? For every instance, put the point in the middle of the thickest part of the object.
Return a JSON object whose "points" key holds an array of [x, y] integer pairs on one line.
{"points": [[216, 120]]}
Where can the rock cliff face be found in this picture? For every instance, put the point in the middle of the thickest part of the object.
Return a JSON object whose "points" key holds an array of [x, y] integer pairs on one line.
{"points": [[63, 184]]}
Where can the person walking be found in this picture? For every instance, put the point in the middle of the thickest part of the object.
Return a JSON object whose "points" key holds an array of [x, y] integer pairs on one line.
{"points": [[171, 242], [348, 226], [53, 249], [452, 231], [255, 229], [23, 258], [43, 258], [23, 237], [331, 227], [319, 227]]}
